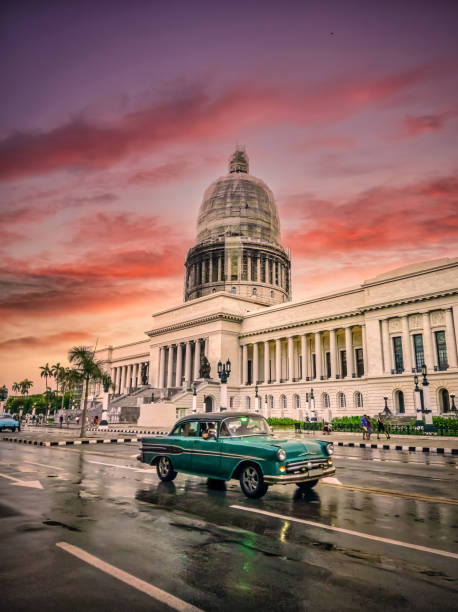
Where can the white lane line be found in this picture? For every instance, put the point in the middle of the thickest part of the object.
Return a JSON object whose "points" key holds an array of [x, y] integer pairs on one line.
{"points": [[356, 458], [359, 534], [154, 592], [123, 467], [54, 467]]}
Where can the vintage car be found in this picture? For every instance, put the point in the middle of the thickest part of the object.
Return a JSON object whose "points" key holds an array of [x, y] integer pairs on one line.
{"points": [[226, 445], [7, 422]]}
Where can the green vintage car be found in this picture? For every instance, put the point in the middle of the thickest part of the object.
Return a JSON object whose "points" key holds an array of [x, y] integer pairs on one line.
{"points": [[240, 445]]}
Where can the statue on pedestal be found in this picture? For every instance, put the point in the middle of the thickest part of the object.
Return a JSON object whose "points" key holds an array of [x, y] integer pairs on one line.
{"points": [[204, 371]]}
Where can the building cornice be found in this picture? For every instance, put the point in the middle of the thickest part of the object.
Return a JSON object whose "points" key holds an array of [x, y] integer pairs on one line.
{"points": [[219, 316], [354, 313], [129, 358]]}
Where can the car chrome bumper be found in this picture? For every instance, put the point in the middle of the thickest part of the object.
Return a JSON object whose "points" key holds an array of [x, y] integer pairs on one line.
{"points": [[304, 477]]}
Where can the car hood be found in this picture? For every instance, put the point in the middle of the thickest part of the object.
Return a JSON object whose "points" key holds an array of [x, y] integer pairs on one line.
{"points": [[293, 448]]}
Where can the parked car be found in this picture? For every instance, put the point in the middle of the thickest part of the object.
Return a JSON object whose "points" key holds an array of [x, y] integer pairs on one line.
{"points": [[8, 422], [103, 425], [239, 445]]}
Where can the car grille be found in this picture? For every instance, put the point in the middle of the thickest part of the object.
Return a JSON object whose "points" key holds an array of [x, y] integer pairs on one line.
{"points": [[306, 464]]}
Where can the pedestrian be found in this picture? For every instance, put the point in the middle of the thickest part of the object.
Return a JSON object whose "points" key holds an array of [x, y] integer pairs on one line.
{"points": [[96, 420], [369, 426], [381, 428], [61, 420], [363, 424]]}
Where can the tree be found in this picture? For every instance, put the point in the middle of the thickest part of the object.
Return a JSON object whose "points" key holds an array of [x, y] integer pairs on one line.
{"points": [[25, 385], [46, 372], [89, 370], [56, 370], [16, 387]]}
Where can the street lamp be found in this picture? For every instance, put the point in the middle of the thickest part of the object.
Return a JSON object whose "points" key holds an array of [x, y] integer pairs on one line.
{"points": [[224, 371], [312, 405], [194, 397], [265, 406], [453, 407], [256, 399], [426, 401], [418, 407]]}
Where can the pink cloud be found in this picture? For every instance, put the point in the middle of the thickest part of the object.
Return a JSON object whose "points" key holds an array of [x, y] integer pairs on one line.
{"points": [[417, 125]]}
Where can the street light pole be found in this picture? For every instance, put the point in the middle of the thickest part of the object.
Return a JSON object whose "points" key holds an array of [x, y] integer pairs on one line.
{"points": [[194, 397], [453, 407], [256, 399], [224, 371], [427, 401], [417, 392]]}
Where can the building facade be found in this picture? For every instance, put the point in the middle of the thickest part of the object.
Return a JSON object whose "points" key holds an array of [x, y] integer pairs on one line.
{"points": [[347, 350]]}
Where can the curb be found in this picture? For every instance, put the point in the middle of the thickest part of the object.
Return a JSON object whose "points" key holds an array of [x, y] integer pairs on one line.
{"points": [[141, 431], [71, 442], [398, 447]]}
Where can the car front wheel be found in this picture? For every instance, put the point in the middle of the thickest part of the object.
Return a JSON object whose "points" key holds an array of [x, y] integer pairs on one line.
{"points": [[307, 485], [165, 469], [252, 482]]}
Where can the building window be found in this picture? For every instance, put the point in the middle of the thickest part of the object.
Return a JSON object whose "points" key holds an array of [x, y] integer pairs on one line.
{"points": [[213, 290], [271, 402], [248, 402], [358, 399], [341, 400], [297, 402], [233, 290], [343, 364], [271, 294], [398, 360], [231, 402], [326, 400], [419, 352], [399, 401], [263, 270], [441, 349], [234, 266], [328, 365], [359, 362], [254, 291], [244, 267], [313, 365]]}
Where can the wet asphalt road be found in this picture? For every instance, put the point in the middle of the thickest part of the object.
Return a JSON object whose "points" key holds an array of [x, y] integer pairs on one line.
{"points": [[191, 542]]}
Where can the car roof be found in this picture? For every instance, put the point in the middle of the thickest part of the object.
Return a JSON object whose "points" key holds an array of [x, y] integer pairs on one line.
{"points": [[215, 416]]}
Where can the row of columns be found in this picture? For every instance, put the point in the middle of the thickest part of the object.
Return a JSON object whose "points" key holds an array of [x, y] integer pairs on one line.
{"points": [[170, 370], [306, 357], [274, 270], [127, 376], [430, 354]]}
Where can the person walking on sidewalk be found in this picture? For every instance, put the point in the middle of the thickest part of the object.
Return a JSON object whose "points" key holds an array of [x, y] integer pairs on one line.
{"points": [[381, 428], [364, 426]]}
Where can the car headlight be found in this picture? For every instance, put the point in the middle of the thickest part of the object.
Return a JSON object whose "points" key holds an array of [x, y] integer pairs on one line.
{"points": [[330, 449], [281, 454]]}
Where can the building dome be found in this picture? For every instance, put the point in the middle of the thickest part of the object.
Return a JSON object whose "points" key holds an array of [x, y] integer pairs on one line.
{"points": [[238, 246], [238, 204]]}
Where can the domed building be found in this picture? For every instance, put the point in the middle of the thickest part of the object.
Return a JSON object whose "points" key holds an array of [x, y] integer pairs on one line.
{"points": [[346, 353], [238, 246]]}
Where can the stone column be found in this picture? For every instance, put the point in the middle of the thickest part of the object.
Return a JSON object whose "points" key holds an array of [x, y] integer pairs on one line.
{"points": [[304, 356], [123, 378], [266, 361], [244, 364], [290, 359], [349, 351], [450, 339], [178, 382], [161, 384], [135, 381], [258, 268], [170, 367], [196, 359], [210, 269], [318, 358], [267, 269], [406, 349], [228, 266], [277, 360], [206, 347], [365, 355], [187, 366], [248, 265], [333, 351], [218, 270], [386, 347], [255, 363]]}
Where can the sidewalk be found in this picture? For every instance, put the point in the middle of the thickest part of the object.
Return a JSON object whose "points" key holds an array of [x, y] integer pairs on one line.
{"points": [[422, 444]]}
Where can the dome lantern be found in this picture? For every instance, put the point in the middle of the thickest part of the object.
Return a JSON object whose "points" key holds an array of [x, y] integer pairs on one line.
{"points": [[239, 161]]}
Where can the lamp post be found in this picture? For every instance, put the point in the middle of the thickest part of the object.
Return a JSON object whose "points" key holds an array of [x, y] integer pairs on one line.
{"points": [[453, 407], [312, 406], [418, 408], [426, 401], [256, 399], [194, 397], [307, 406], [224, 371], [265, 406]]}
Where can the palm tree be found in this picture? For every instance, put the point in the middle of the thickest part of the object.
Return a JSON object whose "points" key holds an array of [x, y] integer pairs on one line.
{"points": [[25, 385], [16, 387], [56, 370], [46, 372], [89, 370]]}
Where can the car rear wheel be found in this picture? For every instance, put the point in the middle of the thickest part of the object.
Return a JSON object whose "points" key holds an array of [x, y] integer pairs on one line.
{"points": [[165, 469], [252, 482], [307, 485]]}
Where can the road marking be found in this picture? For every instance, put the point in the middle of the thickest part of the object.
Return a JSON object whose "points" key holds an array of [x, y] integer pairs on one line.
{"points": [[405, 462], [44, 465], [34, 484], [331, 480], [359, 534], [391, 493], [124, 467], [133, 581]]}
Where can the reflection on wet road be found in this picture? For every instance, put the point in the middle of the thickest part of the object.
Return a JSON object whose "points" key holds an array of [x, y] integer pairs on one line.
{"points": [[215, 549]]}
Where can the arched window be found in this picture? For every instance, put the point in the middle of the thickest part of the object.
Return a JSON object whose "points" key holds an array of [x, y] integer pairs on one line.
{"points": [[271, 293], [341, 400], [233, 290], [359, 400], [231, 402], [444, 400], [254, 291], [297, 401], [325, 400], [213, 290], [283, 404], [399, 401], [248, 402], [271, 402]]}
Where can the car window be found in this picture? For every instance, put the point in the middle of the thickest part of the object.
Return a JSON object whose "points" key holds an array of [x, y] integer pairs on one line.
{"points": [[247, 425], [208, 430], [186, 430], [224, 431]]}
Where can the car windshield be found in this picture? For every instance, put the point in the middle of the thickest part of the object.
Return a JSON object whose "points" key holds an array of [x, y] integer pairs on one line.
{"points": [[5, 416], [245, 425]]}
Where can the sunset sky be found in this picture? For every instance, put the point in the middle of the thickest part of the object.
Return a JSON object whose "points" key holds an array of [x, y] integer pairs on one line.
{"points": [[115, 117]]}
